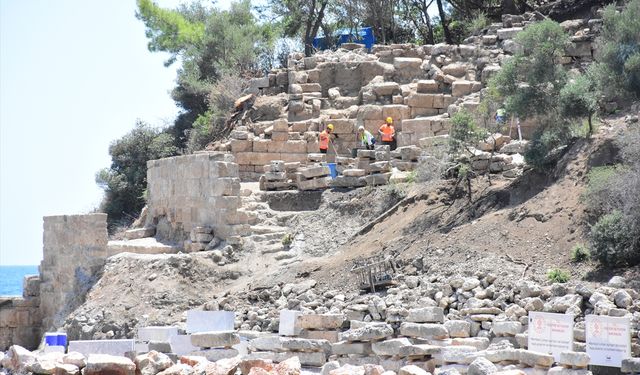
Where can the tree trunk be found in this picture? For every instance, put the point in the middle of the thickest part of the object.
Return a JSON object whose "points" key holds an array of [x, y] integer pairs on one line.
{"points": [[445, 24], [590, 126]]}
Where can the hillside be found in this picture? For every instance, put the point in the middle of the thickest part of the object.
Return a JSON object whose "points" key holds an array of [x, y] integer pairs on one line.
{"points": [[513, 229]]}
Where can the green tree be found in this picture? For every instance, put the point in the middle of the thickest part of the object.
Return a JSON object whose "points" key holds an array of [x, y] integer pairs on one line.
{"points": [[579, 99], [209, 43], [301, 18], [124, 183], [530, 85], [618, 52]]}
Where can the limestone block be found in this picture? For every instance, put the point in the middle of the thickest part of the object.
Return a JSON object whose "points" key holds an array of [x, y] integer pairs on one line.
{"points": [[215, 339], [316, 158], [506, 328], [287, 325], [260, 145], [133, 234], [347, 182], [367, 333], [354, 172], [98, 364], [310, 87], [282, 79], [401, 63], [396, 112], [241, 145], [426, 315], [320, 321], [458, 328], [351, 348], [370, 112], [480, 343], [420, 100], [390, 347], [419, 350], [457, 353], [412, 370], [489, 39], [508, 33], [417, 125], [106, 347], [341, 126], [461, 88], [311, 172], [574, 359], [428, 331], [210, 321], [531, 358], [380, 166], [65, 369], [305, 345], [215, 354], [280, 136], [378, 179], [314, 184], [330, 336], [386, 88], [456, 69], [314, 359], [239, 134]]}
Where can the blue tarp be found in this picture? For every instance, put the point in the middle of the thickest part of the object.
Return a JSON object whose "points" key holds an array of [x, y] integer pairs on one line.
{"points": [[362, 35]]}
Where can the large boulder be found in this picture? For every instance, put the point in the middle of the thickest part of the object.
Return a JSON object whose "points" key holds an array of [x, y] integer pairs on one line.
{"points": [[18, 358], [153, 362]]}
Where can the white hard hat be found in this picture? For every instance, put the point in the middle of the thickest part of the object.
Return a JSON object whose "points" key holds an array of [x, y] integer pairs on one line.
{"points": [[360, 127]]}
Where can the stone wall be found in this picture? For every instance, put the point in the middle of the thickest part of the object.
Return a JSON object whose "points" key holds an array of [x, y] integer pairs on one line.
{"points": [[419, 86], [199, 190], [74, 252], [20, 319]]}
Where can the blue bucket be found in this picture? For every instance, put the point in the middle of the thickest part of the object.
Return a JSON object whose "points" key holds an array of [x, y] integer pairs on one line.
{"points": [[51, 338], [333, 170], [62, 339]]}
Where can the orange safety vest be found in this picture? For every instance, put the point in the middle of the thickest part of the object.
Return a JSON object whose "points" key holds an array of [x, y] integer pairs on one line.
{"points": [[324, 140], [387, 132]]}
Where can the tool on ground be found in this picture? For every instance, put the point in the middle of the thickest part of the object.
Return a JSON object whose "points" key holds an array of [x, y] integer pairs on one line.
{"points": [[375, 272]]}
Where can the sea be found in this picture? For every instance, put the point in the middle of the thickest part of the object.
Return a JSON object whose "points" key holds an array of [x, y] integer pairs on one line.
{"points": [[11, 279]]}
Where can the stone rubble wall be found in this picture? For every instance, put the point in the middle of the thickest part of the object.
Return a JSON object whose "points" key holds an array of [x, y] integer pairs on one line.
{"points": [[74, 252], [199, 190], [20, 320], [420, 87]]}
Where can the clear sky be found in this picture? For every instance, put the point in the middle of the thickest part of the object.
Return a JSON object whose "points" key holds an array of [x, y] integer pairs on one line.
{"points": [[74, 75]]}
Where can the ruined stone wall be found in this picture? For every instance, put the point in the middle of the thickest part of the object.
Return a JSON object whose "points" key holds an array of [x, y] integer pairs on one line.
{"points": [[20, 319], [420, 87], [199, 190], [74, 252]]}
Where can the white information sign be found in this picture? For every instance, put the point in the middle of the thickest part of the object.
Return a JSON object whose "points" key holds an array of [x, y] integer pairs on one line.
{"points": [[550, 333], [608, 340]]}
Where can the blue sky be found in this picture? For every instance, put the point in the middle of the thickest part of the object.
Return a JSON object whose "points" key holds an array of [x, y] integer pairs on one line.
{"points": [[74, 75]]}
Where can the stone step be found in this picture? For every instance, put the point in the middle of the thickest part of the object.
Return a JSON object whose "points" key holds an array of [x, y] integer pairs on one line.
{"points": [[270, 249], [285, 255], [265, 229], [268, 237]]}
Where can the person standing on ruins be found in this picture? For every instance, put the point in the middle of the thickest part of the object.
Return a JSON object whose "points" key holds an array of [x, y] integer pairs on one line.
{"points": [[388, 134], [367, 140], [325, 139]]}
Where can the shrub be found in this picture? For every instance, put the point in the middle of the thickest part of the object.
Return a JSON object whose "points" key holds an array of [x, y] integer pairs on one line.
{"points": [[612, 241], [618, 52], [600, 195], [580, 253], [578, 99], [125, 182], [464, 132], [478, 22], [557, 275], [287, 239]]}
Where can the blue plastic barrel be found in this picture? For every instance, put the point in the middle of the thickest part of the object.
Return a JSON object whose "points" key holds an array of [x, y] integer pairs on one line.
{"points": [[332, 168], [51, 338], [62, 339]]}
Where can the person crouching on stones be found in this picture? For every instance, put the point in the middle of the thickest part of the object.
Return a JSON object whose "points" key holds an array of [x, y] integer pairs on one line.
{"points": [[367, 140], [388, 134], [325, 138]]}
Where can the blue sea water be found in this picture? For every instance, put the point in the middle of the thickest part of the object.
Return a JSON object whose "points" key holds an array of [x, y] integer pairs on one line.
{"points": [[11, 279]]}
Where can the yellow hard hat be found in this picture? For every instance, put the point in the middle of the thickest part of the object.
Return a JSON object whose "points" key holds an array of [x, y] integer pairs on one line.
{"points": [[330, 126], [389, 120]]}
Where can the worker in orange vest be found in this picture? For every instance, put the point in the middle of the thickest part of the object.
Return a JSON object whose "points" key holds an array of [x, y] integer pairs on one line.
{"points": [[325, 138], [388, 134]]}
